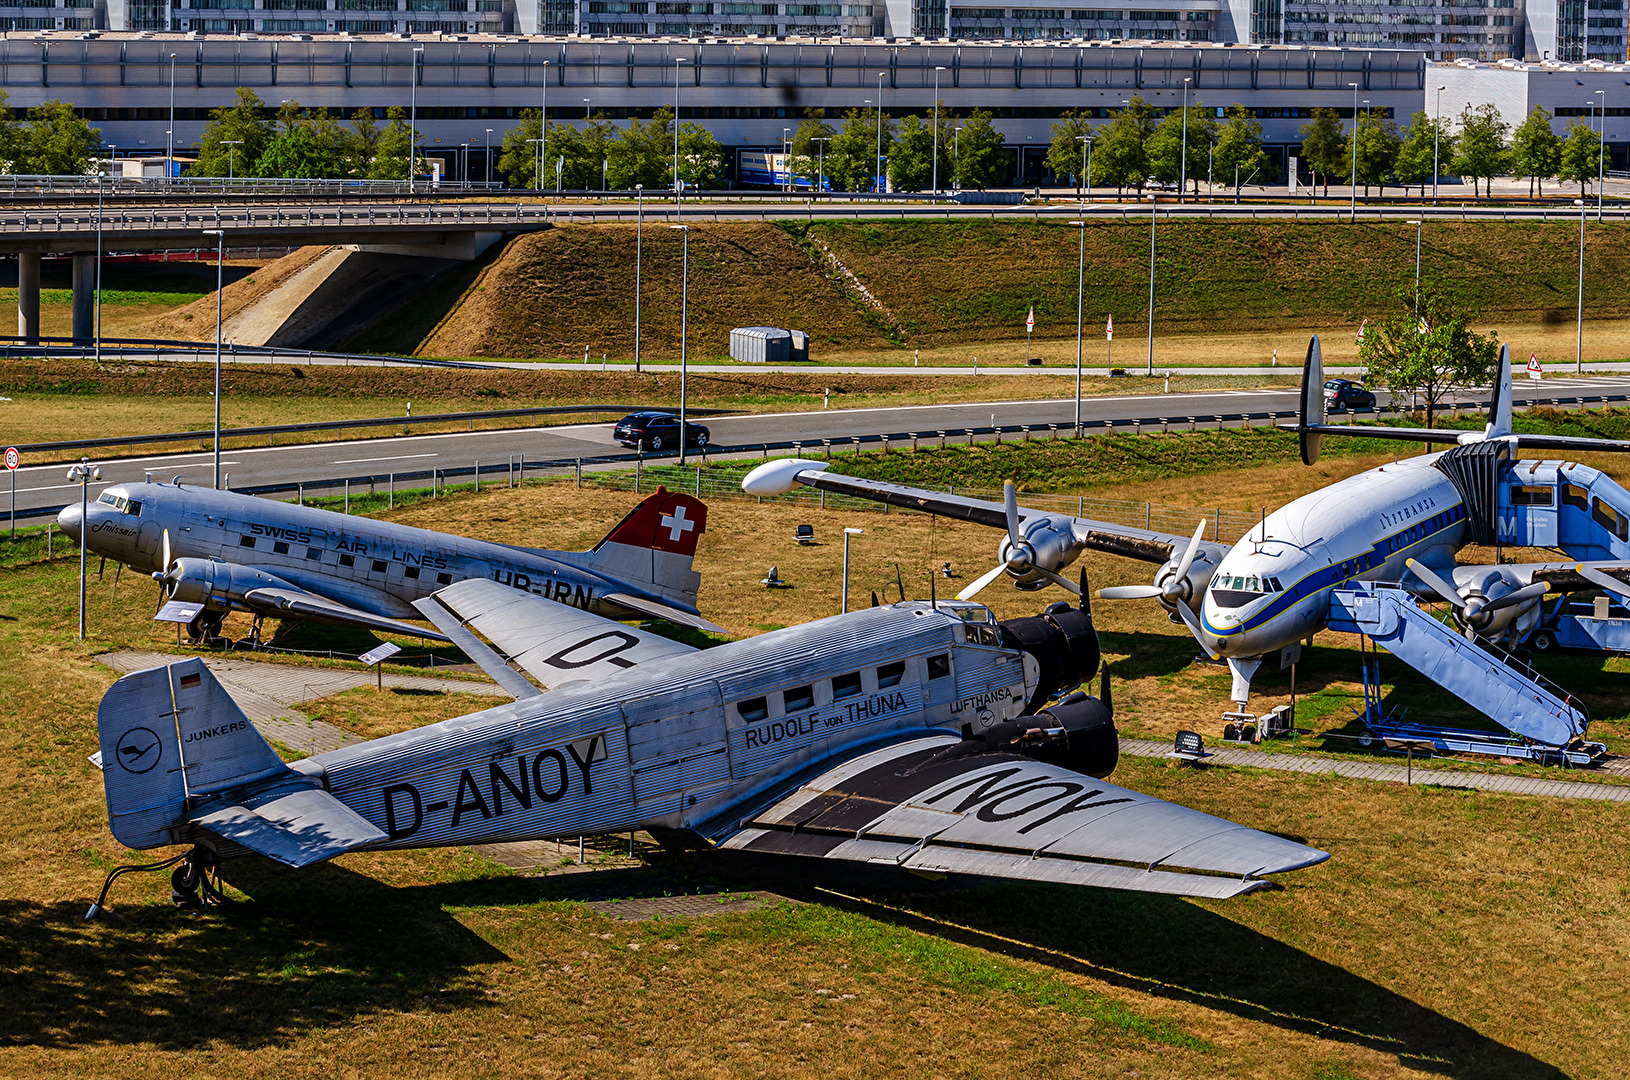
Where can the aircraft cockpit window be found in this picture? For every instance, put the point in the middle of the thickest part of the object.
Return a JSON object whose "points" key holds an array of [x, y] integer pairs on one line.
{"points": [[977, 634], [939, 666], [753, 709], [109, 498], [133, 507], [844, 686], [891, 674], [798, 699]]}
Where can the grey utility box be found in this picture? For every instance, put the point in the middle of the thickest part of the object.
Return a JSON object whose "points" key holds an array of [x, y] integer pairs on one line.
{"points": [[760, 345]]}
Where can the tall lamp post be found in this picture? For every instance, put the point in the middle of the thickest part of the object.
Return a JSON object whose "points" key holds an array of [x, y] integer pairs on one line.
{"points": [[82, 474], [169, 136], [820, 162], [1417, 225], [1353, 213], [937, 71], [413, 119], [220, 269], [543, 128], [956, 159], [1080, 294], [847, 533], [639, 244], [231, 157], [1154, 203], [684, 314], [1437, 127], [1601, 144], [1086, 168], [486, 159], [100, 176], [1579, 314], [677, 61], [1183, 169], [538, 161], [881, 185]]}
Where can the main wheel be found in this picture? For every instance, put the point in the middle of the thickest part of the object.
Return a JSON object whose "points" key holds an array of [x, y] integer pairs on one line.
{"points": [[656, 442]]}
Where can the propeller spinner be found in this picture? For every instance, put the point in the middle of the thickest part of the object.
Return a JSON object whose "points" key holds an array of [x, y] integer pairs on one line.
{"points": [[1021, 554], [1476, 612]]}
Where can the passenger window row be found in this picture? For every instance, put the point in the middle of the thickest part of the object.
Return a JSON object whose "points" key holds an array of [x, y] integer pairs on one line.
{"points": [[376, 566], [800, 698]]}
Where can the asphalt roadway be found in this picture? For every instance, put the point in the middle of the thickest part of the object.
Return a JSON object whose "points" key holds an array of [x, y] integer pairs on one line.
{"points": [[47, 485]]}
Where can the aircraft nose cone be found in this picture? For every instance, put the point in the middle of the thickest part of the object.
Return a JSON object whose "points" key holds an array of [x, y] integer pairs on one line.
{"points": [[69, 521]]}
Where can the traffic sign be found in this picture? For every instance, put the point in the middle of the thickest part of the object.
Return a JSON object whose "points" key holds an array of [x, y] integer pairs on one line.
{"points": [[13, 458]]}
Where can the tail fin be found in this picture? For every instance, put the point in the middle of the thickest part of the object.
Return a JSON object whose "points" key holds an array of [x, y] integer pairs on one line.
{"points": [[169, 735], [1499, 422], [655, 544], [1312, 402]]}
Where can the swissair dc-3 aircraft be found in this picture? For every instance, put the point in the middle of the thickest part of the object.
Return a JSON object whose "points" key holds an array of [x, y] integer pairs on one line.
{"points": [[923, 735], [232, 552], [1399, 523]]}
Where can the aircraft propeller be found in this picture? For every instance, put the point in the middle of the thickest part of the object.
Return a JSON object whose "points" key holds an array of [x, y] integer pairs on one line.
{"points": [[1474, 611], [1021, 554], [162, 575], [1605, 581], [1173, 591]]}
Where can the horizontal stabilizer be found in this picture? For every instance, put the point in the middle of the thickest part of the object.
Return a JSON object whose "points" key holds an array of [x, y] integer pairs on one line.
{"points": [[306, 605], [664, 612], [1451, 436], [295, 827]]}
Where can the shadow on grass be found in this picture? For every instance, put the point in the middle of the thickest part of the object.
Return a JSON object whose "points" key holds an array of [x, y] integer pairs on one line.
{"points": [[315, 949], [1146, 655]]}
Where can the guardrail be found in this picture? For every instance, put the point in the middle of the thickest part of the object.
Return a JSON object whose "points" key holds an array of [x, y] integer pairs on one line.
{"points": [[515, 470]]}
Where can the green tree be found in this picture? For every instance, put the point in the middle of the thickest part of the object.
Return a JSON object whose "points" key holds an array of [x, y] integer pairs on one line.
{"points": [[577, 151], [55, 142], [361, 145], [642, 153], [8, 135], [1376, 143], [1065, 155], [1239, 156], [1414, 162], [1324, 145], [1165, 148], [701, 158], [518, 158], [911, 156], [1428, 353], [1118, 154], [1580, 155], [852, 157], [390, 160], [1480, 147], [808, 148], [1536, 151], [981, 159], [234, 138]]}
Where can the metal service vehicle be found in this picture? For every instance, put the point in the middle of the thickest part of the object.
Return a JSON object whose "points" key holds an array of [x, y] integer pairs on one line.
{"points": [[657, 431], [923, 735], [229, 552]]}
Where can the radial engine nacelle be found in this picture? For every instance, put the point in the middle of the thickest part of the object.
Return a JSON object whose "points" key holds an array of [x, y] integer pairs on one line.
{"points": [[216, 585], [1047, 544]]}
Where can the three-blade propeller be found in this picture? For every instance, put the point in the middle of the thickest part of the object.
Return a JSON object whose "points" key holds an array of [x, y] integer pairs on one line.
{"points": [[1021, 554], [1605, 581], [1474, 611], [1173, 591]]}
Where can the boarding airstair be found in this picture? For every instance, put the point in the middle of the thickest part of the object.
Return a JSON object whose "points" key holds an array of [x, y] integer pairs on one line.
{"points": [[1541, 715]]}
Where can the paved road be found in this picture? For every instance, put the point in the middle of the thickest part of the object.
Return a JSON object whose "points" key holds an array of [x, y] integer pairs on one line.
{"points": [[47, 485]]}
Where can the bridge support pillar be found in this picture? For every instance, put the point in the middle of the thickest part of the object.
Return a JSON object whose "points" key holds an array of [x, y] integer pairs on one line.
{"points": [[84, 299], [28, 297]]}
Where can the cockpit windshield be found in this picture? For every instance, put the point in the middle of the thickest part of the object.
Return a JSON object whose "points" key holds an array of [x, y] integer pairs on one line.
{"points": [[1237, 590], [119, 502]]}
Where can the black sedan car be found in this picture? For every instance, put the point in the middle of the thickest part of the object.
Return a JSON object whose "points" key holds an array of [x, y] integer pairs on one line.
{"points": [[657, 431], [1341, 395]]}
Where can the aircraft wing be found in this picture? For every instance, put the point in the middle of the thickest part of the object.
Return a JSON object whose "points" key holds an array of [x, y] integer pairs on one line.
{"points": [[1566, 577], [552, 642], [1451, 436], [778, 477], [308, 605], [922, 806]]}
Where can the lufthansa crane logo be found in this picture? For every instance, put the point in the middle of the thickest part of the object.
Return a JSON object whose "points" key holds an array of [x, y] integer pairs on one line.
{"points": [[138, 750]]}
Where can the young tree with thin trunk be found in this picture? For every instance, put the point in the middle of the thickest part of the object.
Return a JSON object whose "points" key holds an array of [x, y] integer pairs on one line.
{"points": [[1376, 143], [981, 159], [808, 149], [1480, 147], [1413, 165], [1066, 152], [1239, 157], [1578, 161], [1429, 352], [1165, 147], [1324, 145], [1536, 149], [1119, 156]]}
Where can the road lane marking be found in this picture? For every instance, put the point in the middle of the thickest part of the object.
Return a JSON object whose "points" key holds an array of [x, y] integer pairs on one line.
{"points": [[365, 460]]}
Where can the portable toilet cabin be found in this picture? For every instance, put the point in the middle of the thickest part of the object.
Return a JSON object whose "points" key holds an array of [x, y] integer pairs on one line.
{"points": [[760, 345], [800, 347]]}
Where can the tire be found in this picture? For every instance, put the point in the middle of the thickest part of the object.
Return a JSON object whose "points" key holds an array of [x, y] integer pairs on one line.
{"points": [[1542, 641], [701, 438], [656, 442]]}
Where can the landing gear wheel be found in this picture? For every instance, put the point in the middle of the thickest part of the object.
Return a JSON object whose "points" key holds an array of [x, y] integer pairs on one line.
{"points": [[1231, 731], [205, 625], [190, 884], [1542, 641], [656, 442]]}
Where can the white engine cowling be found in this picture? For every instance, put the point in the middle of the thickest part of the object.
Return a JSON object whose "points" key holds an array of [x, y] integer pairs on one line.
{"points": [[1491, 583], [219, 586], [1191, 589], [1046, 541]]}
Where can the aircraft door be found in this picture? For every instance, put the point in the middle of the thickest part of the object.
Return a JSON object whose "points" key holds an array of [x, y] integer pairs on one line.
{"points": [[149, 540], [676, 751]]}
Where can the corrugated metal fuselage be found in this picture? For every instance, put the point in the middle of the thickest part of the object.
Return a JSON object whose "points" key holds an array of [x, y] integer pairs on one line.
{"points": [[666, 744]]}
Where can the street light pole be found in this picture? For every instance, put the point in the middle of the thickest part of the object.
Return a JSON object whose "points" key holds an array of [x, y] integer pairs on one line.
{"points": [[881, 186], [543, 130], [1417, 225], [169, 136], [1183, 169], [1437, 126], [100, 176], [639, 244], [677, 61], [220, 269], [1579, 314], [82, 474], [1080, 311], [937, 71], [1086, 167], [486, 159], [231, 157], [1353, 213], [684, 315], [847, 533], [1154, 203], [956, 159], [1601, 143], [413, 119]]}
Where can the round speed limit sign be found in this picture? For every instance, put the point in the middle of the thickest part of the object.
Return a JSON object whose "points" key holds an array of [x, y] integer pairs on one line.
{"points": [[13, 458]]}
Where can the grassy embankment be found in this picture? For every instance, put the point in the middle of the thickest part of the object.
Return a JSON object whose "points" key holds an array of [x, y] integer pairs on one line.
{"points": [[133, 294], [1226, 291], [1448, 936]]}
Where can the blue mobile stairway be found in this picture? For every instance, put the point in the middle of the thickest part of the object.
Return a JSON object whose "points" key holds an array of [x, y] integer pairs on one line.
{"points": [[1547, 723]]}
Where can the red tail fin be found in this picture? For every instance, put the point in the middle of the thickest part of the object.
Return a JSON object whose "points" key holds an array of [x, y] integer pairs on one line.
{"points": [[666, 521]]}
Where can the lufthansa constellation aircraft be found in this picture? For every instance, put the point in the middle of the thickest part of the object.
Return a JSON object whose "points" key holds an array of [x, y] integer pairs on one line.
{"points": [[1400, 523], [229, 552]]}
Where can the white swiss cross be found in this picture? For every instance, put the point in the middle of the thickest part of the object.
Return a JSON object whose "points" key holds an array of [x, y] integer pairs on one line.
{"points": [[676, 524]]}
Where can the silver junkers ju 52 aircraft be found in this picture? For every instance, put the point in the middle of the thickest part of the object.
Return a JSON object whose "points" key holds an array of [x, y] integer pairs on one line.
{"points": [[229, 552], [922, 735]]}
